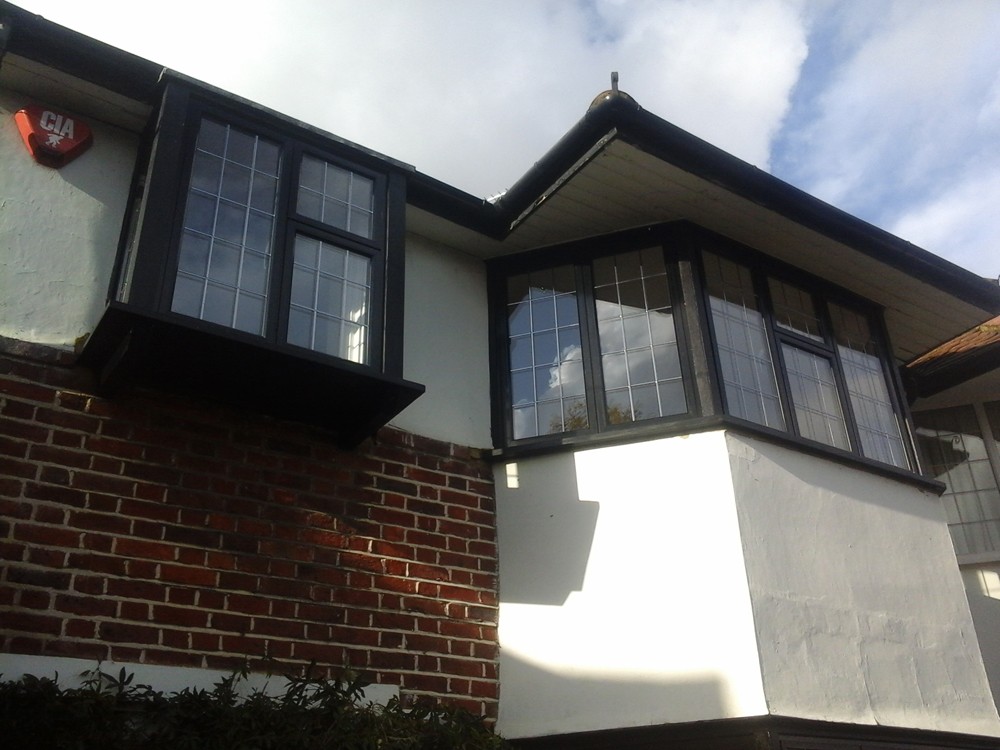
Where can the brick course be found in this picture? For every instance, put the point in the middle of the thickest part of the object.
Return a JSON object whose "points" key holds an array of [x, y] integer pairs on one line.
{"points": [[154, 529]]}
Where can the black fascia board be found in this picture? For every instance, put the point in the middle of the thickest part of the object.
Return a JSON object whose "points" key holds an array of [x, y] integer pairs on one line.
{"points": [[455, 205], [36, 38]]}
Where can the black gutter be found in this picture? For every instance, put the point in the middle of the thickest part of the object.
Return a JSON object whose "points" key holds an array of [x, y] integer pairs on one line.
{"points": [[32, 36], [457, 206]]}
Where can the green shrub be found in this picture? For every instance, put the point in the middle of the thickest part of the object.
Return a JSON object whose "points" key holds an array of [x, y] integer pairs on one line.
{"points": [[111, 713]]}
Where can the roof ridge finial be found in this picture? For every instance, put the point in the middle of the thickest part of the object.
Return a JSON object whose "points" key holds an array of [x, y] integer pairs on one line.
{"points": [[614, 94]]}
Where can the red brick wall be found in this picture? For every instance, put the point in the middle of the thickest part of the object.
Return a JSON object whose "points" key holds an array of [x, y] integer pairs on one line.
{"points": [[151, 529]]}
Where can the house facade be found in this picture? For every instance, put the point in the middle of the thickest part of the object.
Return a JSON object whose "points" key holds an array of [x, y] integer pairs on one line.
{"points": [[623, 458]]}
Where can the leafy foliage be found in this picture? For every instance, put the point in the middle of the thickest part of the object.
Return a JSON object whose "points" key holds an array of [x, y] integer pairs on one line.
{"points": [[111, 713]]}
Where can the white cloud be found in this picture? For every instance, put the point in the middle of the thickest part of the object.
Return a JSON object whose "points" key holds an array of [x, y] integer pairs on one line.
{"points": [[907, 116], [961, 223], [896, 109], [474, 92]]}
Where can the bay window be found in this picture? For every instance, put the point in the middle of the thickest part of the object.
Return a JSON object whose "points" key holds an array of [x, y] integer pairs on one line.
{"points": [[596, 339], [267, 250]]}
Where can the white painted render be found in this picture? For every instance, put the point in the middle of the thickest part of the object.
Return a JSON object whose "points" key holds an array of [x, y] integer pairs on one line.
{"points": [[859, 606], [623, 591], [71, 673], [446, 344], [59, 231], [717, 576]]}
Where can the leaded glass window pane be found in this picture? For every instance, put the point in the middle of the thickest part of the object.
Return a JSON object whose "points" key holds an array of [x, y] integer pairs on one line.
{"points": [[546, 358], [336, 196], [639, 356], [330, 300], [878, 423], [747, 368], [794, 309], [225, 249], [953, 447], [818, 413]]}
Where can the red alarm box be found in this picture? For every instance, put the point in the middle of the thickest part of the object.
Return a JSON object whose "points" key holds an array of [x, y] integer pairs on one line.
{"points": [[53, 138]]}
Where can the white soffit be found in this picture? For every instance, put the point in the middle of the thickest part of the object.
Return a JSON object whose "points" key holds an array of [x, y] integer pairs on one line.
{"points": [[623, 187], [45, 85]]}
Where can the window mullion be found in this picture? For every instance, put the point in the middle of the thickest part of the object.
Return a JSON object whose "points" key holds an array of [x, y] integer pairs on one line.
{"points": [[678, 309], [279, 292], [840, 376], [760, 288], [894, 384], [593, 374]]}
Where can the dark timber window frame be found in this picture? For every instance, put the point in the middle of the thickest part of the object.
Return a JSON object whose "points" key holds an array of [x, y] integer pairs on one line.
{"points": [[700, 359], [143, 337]]}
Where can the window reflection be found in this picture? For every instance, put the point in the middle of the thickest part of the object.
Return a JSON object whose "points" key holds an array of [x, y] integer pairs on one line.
{"points": [[330, 294], [225, 250], [639, 357], [546, 359], [751, 386], [621, 364], [881, 437]]}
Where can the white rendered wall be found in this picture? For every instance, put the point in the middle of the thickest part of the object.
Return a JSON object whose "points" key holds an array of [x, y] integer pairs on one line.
{"points": [[859, 606], [59, 231], [446, 344], [623, 591]]}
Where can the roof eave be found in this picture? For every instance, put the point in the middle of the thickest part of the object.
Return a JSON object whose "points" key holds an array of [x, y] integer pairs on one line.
{"points": [[36, 38], [665, 141]]}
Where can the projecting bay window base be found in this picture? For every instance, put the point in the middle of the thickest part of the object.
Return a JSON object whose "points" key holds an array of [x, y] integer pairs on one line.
{"points": [[136, 348]]}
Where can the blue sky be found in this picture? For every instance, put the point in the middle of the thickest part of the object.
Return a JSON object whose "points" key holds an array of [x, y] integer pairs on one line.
{"points": [[889, 109]]}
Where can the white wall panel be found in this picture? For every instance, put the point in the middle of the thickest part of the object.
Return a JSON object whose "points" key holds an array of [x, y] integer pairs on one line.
{"points": [[623, 591], [859, 606], [446, 344]]}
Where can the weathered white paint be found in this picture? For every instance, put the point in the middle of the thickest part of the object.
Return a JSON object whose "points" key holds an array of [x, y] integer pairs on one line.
{"points": [[446, 344], [71, 673], [859, 607], [59, 231], [623, 591]]}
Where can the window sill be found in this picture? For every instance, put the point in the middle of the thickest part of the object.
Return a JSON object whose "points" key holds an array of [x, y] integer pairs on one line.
{"points": [[674, 428], [131, 347]]}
